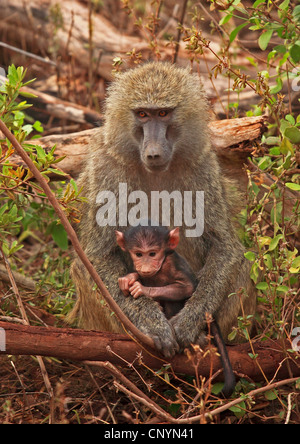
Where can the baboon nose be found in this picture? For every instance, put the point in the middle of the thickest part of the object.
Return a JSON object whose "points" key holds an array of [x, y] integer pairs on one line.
{"points": [[153, 153], [153, 156]]}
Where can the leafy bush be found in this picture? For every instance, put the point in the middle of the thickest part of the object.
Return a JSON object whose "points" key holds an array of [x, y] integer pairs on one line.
{"points": [[25, 211]]}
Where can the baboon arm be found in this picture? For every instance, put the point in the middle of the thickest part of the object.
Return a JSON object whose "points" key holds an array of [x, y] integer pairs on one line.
{"points": [[171, 293]]}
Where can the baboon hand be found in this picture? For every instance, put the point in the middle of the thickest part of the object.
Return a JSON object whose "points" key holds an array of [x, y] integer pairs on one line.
{"points": [[166, 345], [163, 338], [126, 282], [188, 332], [137, 289]]}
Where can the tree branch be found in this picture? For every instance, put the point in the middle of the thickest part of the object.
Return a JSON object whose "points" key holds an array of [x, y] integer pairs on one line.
{"points": [[82, 345]]}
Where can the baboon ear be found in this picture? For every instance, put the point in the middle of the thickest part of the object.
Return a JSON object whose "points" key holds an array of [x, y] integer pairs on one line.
{"points": [[173, 238], [120, 239]]}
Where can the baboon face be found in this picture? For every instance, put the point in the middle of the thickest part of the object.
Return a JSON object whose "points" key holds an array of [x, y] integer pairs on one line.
{"points": [[155, 115], [156, 136]]}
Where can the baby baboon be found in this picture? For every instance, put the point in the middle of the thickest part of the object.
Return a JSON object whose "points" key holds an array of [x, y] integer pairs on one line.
{"points": [[155, 138], [162, 274], [159, 271]]}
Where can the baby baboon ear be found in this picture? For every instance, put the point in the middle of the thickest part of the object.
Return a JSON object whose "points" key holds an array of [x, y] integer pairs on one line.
{"points": [[173, 238], [120, 239]]}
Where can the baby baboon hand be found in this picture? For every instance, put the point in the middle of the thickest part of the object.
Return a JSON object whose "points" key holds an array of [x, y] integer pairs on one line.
{"points": [[137, 289], [126, 282]]}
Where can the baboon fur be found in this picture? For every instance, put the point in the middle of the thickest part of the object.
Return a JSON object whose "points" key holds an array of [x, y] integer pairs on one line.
{"points": [[216, 257]]}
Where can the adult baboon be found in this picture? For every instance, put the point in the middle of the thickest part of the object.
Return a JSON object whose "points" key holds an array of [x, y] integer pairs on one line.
{"points": [[155, 138]]}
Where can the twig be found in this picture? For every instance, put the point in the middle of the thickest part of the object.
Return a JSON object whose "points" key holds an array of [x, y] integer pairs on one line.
{"points": [[12, 319], [289, 398], [26, 322], [102, 395], [74, 239], [131, 389], [179, 31], [28, 54], [14, 287], [151, 405], [251, 394], [21, 280]]}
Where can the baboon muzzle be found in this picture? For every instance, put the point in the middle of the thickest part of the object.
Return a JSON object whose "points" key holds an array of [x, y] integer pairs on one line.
{"points": [[156, 150]]}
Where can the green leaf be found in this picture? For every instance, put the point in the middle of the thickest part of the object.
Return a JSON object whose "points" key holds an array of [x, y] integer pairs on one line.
{"points": [[271, 394], [293, 134], [272, 140], [296, 13], [295, 52], [290, 119], [59, 235], [225, 19], [250, 256], [264, 162], [232, 335], [40, 153], [27, 129], [3, 209], [264, 39], [280, 48], [235, 32], [268, 260], [282, 289], [274, 242], [254, 273], [278, 87], [55, 171], [13, 211], [27, 94], [296, 262], [12, 75], [252, 356], [275, 151], [217, 388], [257, 3], [262, 286], [74, 185], [239, 409], [293, 186], [286, 146], [284, 5], [38, 126]]}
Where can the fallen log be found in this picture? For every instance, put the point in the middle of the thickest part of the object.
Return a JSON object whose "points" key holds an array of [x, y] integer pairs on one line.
{"points": [[229, 132], [61, 109], [82, 345]]}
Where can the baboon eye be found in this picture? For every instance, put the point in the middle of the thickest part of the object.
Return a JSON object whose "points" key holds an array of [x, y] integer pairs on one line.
{"points": [[152, 254], [142, 114], [138, 254], [162, 113]]}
